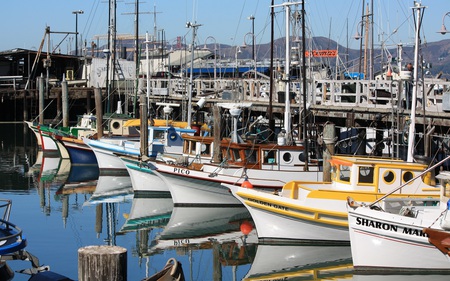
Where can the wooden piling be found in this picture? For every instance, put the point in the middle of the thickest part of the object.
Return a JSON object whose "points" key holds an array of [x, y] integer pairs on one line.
{"points": [[102, 263], [216, 132], [65, 102], [329, 135], [99, 111], [41, 99]]}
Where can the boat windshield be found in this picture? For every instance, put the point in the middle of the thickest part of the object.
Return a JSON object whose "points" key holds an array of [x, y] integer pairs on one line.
{"points": [[365, 174]]}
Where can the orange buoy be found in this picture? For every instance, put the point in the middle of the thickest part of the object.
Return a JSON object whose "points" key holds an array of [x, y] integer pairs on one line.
{"points": [[246, 184], [246, 227]]}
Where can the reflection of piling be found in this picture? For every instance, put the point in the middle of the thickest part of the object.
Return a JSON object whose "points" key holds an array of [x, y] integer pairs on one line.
{"points": [[65, 209], [329, 140], [41, 194], [217, 266], [102, 263], [98, 219], [143, 241]]}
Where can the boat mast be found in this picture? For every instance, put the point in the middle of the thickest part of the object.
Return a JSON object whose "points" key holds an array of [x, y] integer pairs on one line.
{"points": [[270, 113], [136, 54], [304, 96], [287, 102], [111, 51], [418, 11], [287, 68], [194, 27]]}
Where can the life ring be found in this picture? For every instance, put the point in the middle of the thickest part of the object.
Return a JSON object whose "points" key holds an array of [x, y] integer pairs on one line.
{"points": [[173, 136]]}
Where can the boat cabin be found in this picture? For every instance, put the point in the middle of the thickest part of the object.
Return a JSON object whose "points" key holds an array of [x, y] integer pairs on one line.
{"points": [[380, 175], [263, 156]]}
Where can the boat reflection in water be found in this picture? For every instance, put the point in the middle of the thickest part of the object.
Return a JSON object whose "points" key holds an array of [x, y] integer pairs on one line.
{"points": [[224, 236], [111, 189], [301, 262], [152, 210]]}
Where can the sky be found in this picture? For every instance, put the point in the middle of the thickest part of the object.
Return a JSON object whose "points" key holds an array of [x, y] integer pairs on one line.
{"points": [[225, 22]]}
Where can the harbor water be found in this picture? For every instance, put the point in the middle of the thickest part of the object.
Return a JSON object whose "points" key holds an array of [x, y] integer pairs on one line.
{"points": [[62, 208]]}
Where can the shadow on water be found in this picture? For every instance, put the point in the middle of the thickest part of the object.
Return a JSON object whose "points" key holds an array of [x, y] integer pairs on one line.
{"points": [[62, 208]]}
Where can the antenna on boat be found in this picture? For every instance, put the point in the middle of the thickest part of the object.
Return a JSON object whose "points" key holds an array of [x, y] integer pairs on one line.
{"points": [[235, 110], [167, 109], [417, 9]]}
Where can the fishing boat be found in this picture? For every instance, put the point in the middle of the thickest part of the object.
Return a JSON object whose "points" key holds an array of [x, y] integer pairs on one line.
{"points": [[79, 152], [161, 139], [316, 211], [45, 134], [195, 178], [412, 239]]}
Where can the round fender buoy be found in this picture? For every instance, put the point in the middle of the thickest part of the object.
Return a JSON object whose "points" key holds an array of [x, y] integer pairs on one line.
{"points": [[246, 227], [246, 184]]}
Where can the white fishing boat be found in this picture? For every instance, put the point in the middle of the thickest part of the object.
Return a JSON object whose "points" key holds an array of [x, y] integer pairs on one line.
{"points": [[414, 239], [144, 177], [316, 211], [194, 180], [161, 139]]}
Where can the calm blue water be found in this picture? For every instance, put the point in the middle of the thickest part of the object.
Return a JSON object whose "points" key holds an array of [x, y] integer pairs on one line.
{"points": [[60, 211]]}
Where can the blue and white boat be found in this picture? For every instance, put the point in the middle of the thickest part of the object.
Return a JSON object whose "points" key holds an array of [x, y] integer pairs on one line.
{"points": [[161, 140], [12, 245]]}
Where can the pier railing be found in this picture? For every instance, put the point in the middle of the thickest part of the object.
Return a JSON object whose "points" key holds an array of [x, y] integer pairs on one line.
{"points": [[355, 93]]}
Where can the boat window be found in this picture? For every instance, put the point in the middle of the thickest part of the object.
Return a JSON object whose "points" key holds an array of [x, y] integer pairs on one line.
{"points": [[250, 154], [269, 157], [157, 134], [389, 177], [236, 155], [206, 149], [333, 172], [366, 174], [344, 173], [287, 157], [408, 175]]}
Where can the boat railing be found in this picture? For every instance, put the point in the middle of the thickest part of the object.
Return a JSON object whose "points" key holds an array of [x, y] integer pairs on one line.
{"points": [[5, 205]]}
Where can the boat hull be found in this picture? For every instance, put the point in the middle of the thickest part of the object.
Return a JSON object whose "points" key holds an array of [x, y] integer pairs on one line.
{"points": [[279, 219], [79, 152], [382, 241], [190, 186], [144, 178], [104, 151], [194, 190]]}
